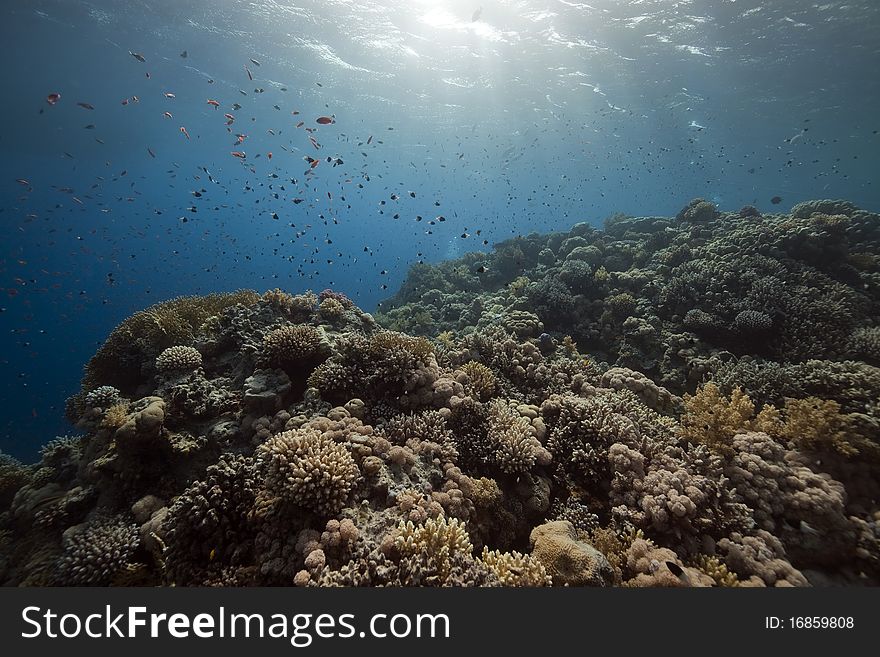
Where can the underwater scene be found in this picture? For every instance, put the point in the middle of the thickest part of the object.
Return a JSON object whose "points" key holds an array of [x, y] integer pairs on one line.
{"points": [[440, 293]]}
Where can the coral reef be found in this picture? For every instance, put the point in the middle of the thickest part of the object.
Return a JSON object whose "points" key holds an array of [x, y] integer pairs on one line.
{"points": [[676, 402]]}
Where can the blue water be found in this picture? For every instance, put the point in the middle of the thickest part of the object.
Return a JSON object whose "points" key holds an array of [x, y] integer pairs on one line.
{"points": [[529, 116]]}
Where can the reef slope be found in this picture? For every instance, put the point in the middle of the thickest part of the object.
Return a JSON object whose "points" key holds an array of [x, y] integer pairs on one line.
{"points": [[687, 401]]}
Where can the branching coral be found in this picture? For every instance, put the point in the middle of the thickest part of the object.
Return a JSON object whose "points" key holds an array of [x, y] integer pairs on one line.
{"points": [[293, 344], [481, 380], [307, 468], [515, 449], [713, 419], [95, 554], [515, 569], [208, 525], [816, 424], [179, 358]]}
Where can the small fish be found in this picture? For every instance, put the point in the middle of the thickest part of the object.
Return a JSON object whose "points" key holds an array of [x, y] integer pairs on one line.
{"points": [[167, 115], [212, 554], [23, 181], [776, 200], [125, 101], [90, 126], [138, 56], [184, 54], [53, 98], [213, 103], [239, 154], [369, 139], [255, 62], [300, 124], [229, 117], [250, 75], [87, 106], [168, 94], [679, 572], [135, 99], [239, 139], [185, 133], [236, 106], [150, 151], [324, 120]]}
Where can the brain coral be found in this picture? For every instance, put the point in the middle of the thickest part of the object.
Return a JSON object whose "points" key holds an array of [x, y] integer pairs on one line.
{"points": [[179, 358], [306, 468]]}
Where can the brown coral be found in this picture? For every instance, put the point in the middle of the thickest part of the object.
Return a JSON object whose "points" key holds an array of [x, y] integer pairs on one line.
{"points": [[307, 468]]}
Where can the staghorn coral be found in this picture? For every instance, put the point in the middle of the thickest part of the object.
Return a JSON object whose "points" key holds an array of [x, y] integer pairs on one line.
{"points": [[713, 419], [297, 308], [331, 309], [816, 424], [438, 546]]}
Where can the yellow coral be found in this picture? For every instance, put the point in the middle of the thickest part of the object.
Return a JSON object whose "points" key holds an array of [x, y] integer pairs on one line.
{"points": [[816, 424], [713, 419], [614, 543], [115, 416], [384, 342], [518, 285], [716, 569], [331, 309], [482, 380], [438, 539], [446, 339], [515, 569]]}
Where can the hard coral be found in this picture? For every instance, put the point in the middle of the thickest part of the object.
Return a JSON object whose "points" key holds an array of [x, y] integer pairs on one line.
{"points": [[94, 554], [179, 358], [306, 468], [293, 344], [481, 380]]}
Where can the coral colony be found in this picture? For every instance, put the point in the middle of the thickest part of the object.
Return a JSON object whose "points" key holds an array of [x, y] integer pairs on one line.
{"points": [[688, 401]]}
